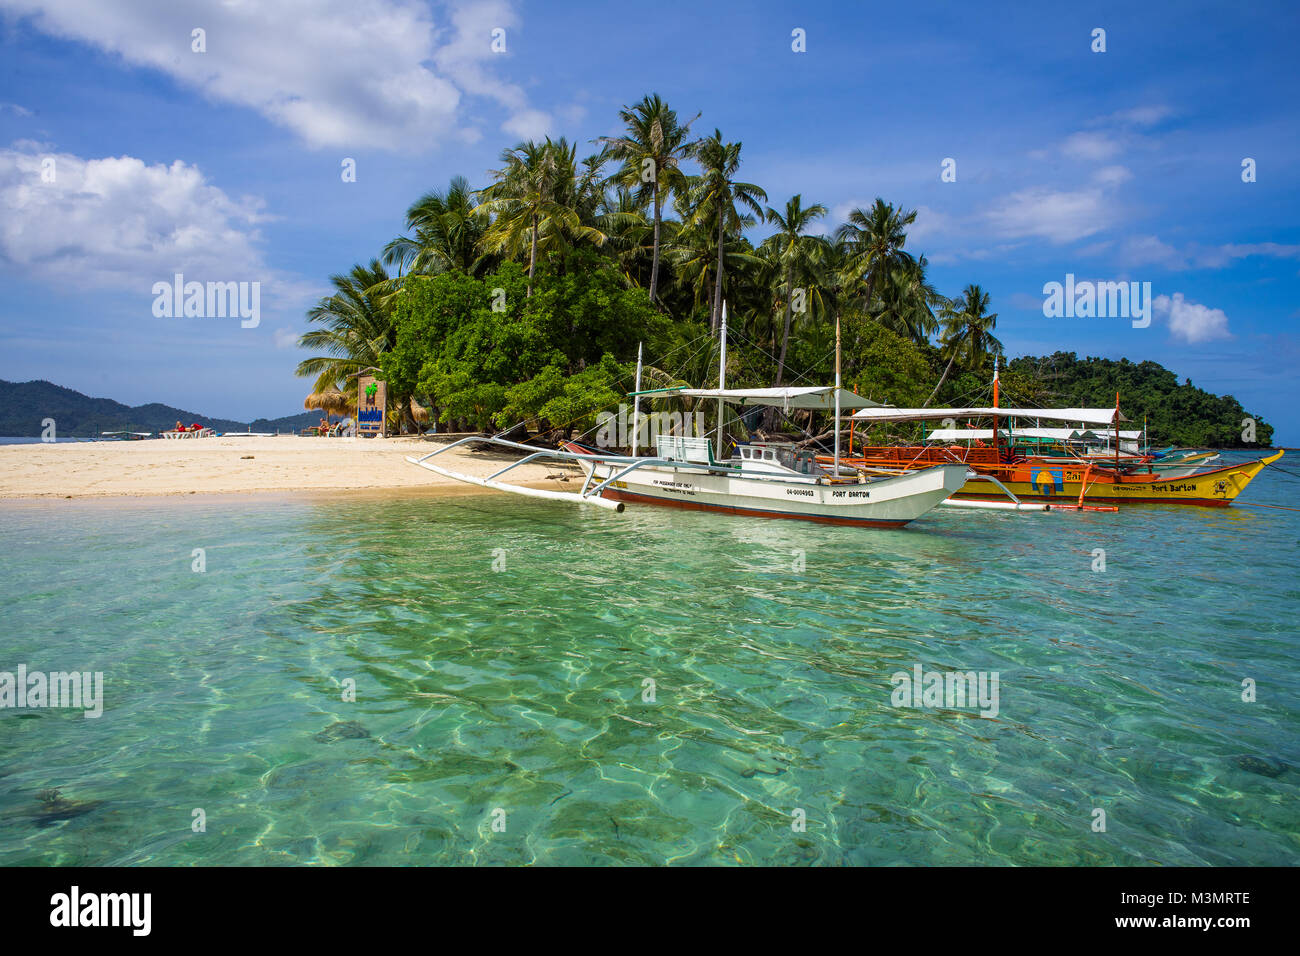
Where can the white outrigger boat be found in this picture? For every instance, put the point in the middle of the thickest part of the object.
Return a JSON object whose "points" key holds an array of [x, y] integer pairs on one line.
{"points": [[760, 479]]}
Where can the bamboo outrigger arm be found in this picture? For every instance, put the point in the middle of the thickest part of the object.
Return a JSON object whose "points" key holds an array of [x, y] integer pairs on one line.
{"points": [[1015, 504], [588, 495], [491, 482]]}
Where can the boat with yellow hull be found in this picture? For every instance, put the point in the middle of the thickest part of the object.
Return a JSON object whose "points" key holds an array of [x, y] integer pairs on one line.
{"points": [[1045, 465], [1072, 482]]}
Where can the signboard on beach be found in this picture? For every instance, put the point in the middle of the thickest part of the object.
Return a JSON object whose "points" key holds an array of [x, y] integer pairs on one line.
{"points": [[372, 399]]}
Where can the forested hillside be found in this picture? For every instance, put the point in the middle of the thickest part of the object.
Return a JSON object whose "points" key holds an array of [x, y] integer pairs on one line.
{"points": [[25, 405]]}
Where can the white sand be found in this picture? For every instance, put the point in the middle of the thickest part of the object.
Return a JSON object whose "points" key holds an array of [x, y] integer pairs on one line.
{"points": [[218, 466]]}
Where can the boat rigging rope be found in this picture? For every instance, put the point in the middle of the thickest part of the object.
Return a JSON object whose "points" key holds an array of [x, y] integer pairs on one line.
{"points": [[1286, 471]]}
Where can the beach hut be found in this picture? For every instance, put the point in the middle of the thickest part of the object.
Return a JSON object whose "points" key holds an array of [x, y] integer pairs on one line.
{"points": [[329, 400]]}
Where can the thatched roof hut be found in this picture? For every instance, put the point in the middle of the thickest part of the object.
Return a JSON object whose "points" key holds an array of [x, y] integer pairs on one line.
{"points": [[329, 400]]}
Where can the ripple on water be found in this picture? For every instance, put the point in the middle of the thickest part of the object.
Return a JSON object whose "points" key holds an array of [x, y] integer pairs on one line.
{"points": [[655, 687]]}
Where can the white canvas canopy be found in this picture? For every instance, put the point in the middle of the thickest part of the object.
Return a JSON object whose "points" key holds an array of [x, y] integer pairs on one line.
{"points": [[820, 398], [1053, 434], [1089, 416]]}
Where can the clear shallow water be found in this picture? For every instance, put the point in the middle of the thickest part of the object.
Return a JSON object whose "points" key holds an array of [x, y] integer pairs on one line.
{"points": [[521, 689]]}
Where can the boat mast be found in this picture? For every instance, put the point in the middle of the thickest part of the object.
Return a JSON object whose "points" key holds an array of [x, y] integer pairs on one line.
{"points": [[997, 444], [636, 403], [836, 472], [1117, 432], [722, 375]]}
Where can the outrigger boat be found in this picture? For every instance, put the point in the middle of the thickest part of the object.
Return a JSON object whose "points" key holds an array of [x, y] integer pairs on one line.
{"points": [[1057, 472], [763, 479], [124, 436]]}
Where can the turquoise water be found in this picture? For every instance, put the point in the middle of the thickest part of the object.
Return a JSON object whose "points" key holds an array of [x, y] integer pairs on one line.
{"points": [[520, 690]]}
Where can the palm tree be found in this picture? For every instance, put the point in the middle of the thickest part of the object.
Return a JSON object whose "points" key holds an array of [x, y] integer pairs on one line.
{"points": [[622, 218], [653, 146], [794, 253], [967, 332], [356, 329], [693, 251], [874, 242], [714, 195], [447, 231], [906, 301], [535, 200]]}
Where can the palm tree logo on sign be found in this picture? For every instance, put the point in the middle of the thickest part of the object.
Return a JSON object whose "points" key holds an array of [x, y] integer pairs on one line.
{"points": [[370, 411]]}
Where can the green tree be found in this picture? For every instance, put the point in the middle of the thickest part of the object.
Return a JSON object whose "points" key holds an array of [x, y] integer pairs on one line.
{"points": [[796, 255], [492, 361], [967, 332], [355, 328], [651, 151], [906, 301], [873, 245], [447, 227], [534, 201], [714, 196]]}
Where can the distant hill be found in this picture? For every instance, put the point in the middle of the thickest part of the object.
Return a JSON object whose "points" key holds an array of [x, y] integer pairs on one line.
{"points": [[23, 405], [1176, 413]]}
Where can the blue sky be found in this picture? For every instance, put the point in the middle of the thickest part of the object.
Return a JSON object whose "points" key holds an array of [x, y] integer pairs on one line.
{"points": [[225, 165]]}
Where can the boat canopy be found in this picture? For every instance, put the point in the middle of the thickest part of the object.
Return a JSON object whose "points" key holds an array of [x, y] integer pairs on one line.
{"points": [[1051, 434], [1090, 416], [821, 398]]}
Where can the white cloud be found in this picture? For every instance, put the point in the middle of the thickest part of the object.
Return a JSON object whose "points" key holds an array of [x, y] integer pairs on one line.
{"points": [[285, 338], [1094, 249], [1089, 146], [1219, 256], [15, 109], [574, 113], [1059, 216], [344, 73], [117, 223], [101, 220], [1141, 115], [1150, 250], [929, 224], [1111, 175], [467, 56], [1107, 136], [1190, 321], [840, 211], [528, 124]]}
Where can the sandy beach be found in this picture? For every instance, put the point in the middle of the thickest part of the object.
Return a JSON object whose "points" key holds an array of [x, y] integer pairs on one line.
{"points": [[240, 464]]}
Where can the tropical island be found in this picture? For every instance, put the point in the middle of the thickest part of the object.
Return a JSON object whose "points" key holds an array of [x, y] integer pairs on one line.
{"points": [[522, 302]]}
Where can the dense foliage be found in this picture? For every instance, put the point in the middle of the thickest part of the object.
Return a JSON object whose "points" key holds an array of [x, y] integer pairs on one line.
{"points": [[523, 301], [494, 356], [1175, 413]]}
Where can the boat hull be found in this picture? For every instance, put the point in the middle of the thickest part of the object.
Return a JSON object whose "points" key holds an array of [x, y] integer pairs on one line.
{"points": [[1047, 481], [891, 502], [1056, 480]]}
